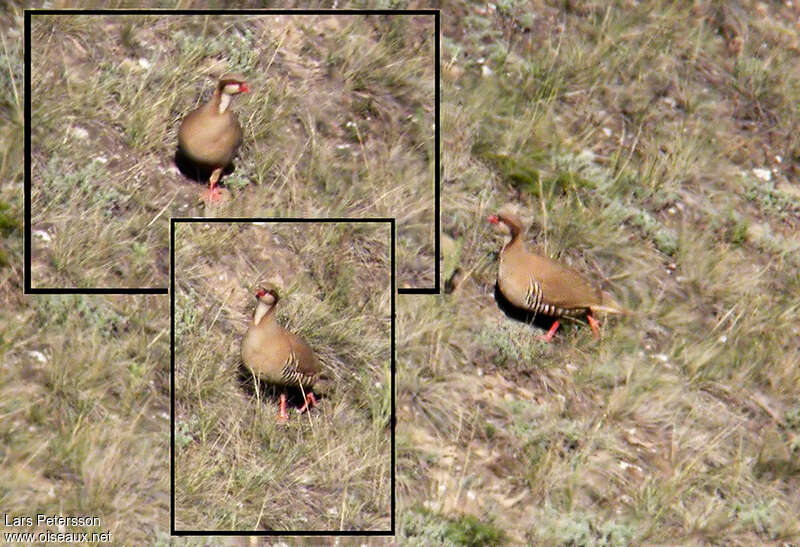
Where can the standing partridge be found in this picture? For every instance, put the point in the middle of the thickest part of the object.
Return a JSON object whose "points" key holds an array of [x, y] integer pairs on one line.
{"points": [[210, 135], [278, 356], [540, 285]]}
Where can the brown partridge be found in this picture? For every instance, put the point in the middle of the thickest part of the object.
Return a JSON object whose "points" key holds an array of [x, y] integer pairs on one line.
{"points": [[210, 135], [278, 356], [540, 285]]}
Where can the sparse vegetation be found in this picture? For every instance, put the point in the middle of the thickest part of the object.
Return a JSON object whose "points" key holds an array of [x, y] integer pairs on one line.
{"points": [[236, 468], [339, 124], [654, 147], [635, 129]]}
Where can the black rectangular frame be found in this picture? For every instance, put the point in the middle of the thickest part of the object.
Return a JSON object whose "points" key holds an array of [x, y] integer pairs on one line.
{"points": [[173, 531], [27, 289]]}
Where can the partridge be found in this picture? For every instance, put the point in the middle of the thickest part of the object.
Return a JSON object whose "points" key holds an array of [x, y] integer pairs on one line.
{"points": [[540, 285], [278, 356], [210, 135]]}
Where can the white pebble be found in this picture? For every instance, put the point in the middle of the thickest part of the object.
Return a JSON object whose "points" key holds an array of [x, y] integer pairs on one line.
{"points": [[763, 174], [41, 234], [79, 132], [38, 355]]}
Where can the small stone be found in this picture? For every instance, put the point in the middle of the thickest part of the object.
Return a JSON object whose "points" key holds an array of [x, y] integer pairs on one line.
{"points": [[79, 132], [44, 236], [38, 355], [763, 174]]}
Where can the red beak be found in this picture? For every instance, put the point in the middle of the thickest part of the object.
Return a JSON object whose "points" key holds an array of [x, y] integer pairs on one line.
{"points": [[243, 88], [493, 219], [260, 293]]}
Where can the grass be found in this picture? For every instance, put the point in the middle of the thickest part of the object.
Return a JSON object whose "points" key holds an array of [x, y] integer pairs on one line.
{"points": [[629, 136], [236, 468], [635, 142], [86, 412], [339, 124]]}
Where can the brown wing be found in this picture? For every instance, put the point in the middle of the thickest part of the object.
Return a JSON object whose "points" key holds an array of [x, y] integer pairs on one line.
{"points": [[529, 280], [303, 366], [564, 287]]}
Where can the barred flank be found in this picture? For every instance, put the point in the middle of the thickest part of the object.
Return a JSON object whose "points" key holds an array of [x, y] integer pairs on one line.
{"points": [[534, 300], [291, 374]]}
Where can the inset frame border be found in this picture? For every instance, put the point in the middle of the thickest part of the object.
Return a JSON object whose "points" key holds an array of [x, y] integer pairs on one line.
{"points": [[28, 289], [393, 421]]}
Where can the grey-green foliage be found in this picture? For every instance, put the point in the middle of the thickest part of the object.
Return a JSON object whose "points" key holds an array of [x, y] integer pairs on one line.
{"points": [[238, 46], [577, 528], [424, 527]]}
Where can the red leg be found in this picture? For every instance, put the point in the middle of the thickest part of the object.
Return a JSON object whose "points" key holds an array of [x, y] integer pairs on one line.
{"points": [[552, 332], [594, 324], [310, 401], [283, 416], [213, 194]]}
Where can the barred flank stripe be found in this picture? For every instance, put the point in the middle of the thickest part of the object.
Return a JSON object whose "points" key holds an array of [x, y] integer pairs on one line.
{"points": [[293, 375], [533, 296], [534, 300]]}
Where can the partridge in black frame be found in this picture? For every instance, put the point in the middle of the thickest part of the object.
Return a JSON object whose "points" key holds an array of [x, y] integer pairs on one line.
{"points": [[210, 135], [276, 355]]}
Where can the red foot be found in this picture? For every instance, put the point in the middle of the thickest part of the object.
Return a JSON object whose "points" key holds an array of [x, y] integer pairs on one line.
{"points": [[310, 401], [594, 324], [552, 332], [212, 195], [283, 416]]}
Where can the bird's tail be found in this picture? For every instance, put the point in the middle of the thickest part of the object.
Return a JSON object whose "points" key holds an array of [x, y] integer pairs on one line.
{"points": [[610, 305]]}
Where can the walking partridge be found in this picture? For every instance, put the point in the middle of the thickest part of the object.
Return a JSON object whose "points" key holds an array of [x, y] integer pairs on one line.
{"points": [[278, 356], [210, 135], [540, 285]]}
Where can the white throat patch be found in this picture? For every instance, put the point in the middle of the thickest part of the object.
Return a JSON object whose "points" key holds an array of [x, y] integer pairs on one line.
{"points": [[224, 101], [261, 310]]}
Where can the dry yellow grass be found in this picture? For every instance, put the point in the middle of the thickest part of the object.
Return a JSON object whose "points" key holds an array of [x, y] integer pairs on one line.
{"points": [[630, 134], [633, 138], [339, 123], [235, 467]]}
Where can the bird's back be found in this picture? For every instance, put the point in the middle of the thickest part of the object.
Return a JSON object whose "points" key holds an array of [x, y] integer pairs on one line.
{"points": [[560, 286]]}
